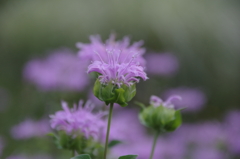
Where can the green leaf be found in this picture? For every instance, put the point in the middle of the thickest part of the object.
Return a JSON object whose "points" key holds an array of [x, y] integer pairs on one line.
{"points": [[83, 156], [63, 140], [140, 104], [175, 123], [128, 157], [114, 143], [120, 97], [97, 89]]}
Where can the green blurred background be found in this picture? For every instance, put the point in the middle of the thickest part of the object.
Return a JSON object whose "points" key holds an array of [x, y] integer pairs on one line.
{"points": [[203, 34]]}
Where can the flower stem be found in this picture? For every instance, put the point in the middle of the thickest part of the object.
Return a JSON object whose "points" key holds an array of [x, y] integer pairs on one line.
{"points": [[154, 144], [73, 153], [108, 129]]}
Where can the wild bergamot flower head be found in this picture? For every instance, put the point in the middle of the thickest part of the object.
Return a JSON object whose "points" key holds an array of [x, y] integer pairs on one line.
{"points": [[119, 66]]}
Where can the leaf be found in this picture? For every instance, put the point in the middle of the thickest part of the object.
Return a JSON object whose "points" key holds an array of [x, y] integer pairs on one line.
{"points": [[83, 156], [175, 123], [114, 143], [128, 157], [140, 104]]}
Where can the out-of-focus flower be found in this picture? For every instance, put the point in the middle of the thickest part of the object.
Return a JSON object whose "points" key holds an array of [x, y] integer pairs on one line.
{"points": [[208, 153], [99, 51], [61, 70], [232, 128], [128, 130], [162, 64], [169, 148], [120, 130], [193, 139], [193, 99], [1, 145], [4, 98], [29, 157], [79, 120], [29, 128]]}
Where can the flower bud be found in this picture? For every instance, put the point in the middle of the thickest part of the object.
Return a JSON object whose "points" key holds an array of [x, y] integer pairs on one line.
{"points": [[161, 118], [111, 93]]}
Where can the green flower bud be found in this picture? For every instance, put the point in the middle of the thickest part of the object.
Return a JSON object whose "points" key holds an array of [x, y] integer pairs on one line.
{"points": [[110, 93], [162, 118]]}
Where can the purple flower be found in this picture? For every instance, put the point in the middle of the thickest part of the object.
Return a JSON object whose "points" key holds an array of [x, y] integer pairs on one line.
{"points": [[131, 133], [1, 145], [98, 50], [61, 70], [156, 101], [79, 120], [116, 62], [29, 128], [170, 148], [193, 99], [29, 157], [232, 128], [208, 153], [164, 64]]}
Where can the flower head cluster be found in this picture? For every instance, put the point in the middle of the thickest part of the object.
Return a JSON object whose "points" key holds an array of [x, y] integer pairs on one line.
{"points": [[79, 120], [116, 62], [88, 51]]}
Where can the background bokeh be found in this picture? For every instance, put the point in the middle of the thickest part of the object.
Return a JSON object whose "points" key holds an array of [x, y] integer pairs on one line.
{"points": [[203, 36]]}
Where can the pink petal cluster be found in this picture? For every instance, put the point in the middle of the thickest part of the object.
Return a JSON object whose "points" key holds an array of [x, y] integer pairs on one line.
{"points": [[79, 120], [88, 51], [115, 61], [156, 101], [61, 70], [30, 128]]}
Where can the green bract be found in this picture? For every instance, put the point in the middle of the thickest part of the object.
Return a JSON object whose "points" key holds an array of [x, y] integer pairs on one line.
{"points": [[161, 118], [110, 93], [79, 143]]}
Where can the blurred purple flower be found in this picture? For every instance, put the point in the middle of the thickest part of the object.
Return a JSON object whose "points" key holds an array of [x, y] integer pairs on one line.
{"points": [[1, 146], [164, 64], [208, 153], [126, 128], [29, 157], [232, 128], [170, 148], [29, 128], [97, 50], [61, 70], [79, 120], [193, 99]]}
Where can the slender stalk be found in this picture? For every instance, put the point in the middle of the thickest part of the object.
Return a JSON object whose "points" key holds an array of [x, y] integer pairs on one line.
{"points": [[108, 129], [154, 144], [73, 153]]}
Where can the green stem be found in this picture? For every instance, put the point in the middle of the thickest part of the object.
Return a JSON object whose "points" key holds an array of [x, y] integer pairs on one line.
{"points": [[108, 129], [154, 144], [73, 153]]}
